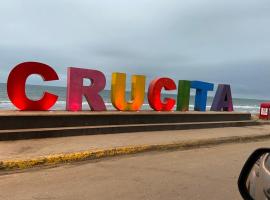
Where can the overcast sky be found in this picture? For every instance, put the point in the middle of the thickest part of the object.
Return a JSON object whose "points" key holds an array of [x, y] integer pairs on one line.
{"points": [[218, 41]]}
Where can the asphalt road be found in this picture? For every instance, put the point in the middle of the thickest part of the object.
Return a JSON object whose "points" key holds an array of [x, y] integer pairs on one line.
{"points": [[206, 173]]}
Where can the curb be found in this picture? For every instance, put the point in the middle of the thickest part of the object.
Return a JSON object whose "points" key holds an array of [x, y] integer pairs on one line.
{"points": [[55, 159]]}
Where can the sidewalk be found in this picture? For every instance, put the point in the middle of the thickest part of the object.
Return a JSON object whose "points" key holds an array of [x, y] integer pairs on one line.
{"points": [[21, 152]]}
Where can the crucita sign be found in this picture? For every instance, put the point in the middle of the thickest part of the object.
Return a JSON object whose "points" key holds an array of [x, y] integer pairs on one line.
{"points": [[76, 90]]}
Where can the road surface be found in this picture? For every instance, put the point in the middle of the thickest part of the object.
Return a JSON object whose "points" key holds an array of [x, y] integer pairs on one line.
{"points": [[205, 173]]}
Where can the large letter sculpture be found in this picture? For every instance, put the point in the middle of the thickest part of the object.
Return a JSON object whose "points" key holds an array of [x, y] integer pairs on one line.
{"points": [[183, 95], [76, 90], [16, 86], [154, 94], [201, 94], [118, 92], [223, 99]]}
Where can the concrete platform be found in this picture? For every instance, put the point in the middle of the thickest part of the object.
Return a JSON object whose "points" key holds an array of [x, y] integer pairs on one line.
{"points": [[26, 120], [26, 125]]}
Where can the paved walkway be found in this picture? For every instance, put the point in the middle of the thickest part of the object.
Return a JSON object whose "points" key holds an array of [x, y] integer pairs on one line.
{"points": [[197, 174], [23, 149]]}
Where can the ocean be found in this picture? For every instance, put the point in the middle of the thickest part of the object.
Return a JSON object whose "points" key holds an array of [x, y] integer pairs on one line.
{"points": [[36, 91]]}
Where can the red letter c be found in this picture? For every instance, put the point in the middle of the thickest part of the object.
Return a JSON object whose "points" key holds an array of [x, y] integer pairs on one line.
{"points": [[154, 91], [16, 86]]}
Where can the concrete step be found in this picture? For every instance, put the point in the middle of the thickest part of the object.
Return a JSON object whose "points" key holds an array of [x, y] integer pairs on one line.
{"points": [[17, 134], [53, 119]]}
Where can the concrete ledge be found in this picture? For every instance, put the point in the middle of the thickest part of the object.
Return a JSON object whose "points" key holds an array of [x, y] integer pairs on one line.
{"points": [[55, 159], [19, 134], [53, 119], [16, 125]]}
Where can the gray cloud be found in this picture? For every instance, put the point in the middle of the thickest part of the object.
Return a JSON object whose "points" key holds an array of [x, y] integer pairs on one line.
{"points": [[223, 41]]}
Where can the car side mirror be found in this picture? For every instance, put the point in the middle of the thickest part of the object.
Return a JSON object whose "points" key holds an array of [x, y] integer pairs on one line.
{"points": [[254, 179]]}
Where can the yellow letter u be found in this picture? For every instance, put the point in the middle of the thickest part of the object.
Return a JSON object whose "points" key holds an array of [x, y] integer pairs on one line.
{"points": [[118, 92]]}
